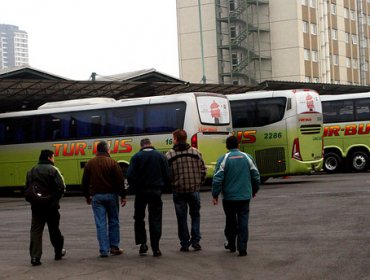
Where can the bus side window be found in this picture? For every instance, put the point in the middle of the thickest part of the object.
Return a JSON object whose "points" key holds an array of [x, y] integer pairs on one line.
{"points": [[362, 109]]}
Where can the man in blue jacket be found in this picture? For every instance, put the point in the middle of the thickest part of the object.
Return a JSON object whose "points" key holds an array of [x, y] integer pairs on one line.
{"points": [[237, 178], [148, 175]]}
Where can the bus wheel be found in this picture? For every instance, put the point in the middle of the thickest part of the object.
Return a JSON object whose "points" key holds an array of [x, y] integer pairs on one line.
{"points": [[124, 168], [359, 161], [264, 179], [332, 163]]}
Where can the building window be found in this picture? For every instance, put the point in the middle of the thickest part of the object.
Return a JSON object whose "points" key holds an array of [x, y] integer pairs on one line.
{"points": [[305, 27], [346, 13], [232, 32], [304, 2], [334, 34], [346, 37], [306, 79], [368, 20], [333, 8], [314, 56], [313, 29], [306, 54], [313, 3], [335, 59], [315, 80], [366, 66], [353, 15], [348, 62], [354, 39], [354, 63]]}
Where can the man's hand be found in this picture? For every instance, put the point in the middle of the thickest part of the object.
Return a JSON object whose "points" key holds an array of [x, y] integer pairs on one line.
{"points": [[88, 200], [215, 201], [123, 201]]}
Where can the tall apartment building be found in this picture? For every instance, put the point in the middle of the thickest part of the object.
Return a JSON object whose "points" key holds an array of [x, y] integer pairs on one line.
{"points": [[249, 41], [13, 46]]}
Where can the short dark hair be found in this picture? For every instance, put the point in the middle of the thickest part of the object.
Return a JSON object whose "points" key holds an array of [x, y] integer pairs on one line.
{"points": [[102, 147], [46, 154], [145, 142], [232, 142], [180, 135]]}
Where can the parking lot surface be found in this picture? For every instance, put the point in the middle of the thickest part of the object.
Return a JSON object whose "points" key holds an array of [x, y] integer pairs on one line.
{"points": [[303, 227]]}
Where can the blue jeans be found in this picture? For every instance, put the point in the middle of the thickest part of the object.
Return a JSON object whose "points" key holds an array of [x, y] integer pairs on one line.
{"points": [[182, 202], [236, 228], [106, 208]]}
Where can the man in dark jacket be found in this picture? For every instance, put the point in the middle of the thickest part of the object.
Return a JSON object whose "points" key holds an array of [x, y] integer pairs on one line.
{"points": [[188, 173], [102, 183], [147, 176], [237, 177], [49, 176]]}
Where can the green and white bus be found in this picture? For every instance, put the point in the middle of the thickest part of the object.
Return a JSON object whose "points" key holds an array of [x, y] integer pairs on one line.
{"points": [[346, 132], [282, 130], [73, 128]]}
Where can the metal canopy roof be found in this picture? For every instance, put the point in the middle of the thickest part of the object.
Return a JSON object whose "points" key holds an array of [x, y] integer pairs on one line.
{"points": [[18, 94], [28, 94]]}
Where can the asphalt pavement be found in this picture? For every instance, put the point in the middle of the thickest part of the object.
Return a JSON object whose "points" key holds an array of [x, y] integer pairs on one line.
{"points": [[303, 227]]}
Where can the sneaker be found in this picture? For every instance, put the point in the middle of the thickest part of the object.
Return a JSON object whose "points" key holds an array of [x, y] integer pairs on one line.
{"points": [[196, 247], [242, 253], [104, 255], [184, 249], [60, 255], [116, 251], [143, 249], [35, 261], [230, 247], [157, 253]]}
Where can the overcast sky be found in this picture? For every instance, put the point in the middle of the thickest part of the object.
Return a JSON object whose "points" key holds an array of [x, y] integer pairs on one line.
{"points": [[73, 38]]}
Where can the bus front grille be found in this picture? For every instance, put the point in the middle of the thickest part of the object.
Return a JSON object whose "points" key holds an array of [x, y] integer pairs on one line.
{"points": [[310, 129], [271, 160]]}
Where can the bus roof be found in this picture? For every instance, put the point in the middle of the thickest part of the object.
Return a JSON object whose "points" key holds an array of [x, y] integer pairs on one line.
{"points": [[345, 96]]}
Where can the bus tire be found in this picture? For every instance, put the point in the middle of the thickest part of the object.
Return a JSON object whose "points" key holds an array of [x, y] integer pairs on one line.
{"points": [[359, 161], [264, 179], [332, 162]]}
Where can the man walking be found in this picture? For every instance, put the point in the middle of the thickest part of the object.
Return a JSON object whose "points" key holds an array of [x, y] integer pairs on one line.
{"points": [[188, 173], [147, 176], [102, 183], [48, 175], [237, 177]]}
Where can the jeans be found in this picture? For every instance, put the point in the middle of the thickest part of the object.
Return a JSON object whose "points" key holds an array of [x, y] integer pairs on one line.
{"points": [[40, 216], [182, 201], [155, 206], [106, 208], [237, 216]]}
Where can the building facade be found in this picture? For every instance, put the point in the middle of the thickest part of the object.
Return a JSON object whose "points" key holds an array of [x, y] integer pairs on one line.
{"points": [[13, 46], [248, 41]]}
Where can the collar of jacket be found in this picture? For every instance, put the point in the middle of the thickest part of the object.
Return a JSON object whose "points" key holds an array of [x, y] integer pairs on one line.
{"points": [[181, 146], [149, 148], [104, 154], [46, 162]]}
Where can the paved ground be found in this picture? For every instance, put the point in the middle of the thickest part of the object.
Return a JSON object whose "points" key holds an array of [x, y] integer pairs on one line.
{"points": [[306, 227]]}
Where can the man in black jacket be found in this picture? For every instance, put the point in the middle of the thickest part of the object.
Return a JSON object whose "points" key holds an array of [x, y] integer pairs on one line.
{"points": [[147, 176], [48, 175]]}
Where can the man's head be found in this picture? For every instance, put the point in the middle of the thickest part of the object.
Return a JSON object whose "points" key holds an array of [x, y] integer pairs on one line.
{"points": [[232, 142], [145, 143], [46, 155], [102, 147], [179, 136]]}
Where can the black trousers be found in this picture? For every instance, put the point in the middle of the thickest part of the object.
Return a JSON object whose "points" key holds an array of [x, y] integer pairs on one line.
{"points": [[40, 217], [155, 206], [236, 227]]}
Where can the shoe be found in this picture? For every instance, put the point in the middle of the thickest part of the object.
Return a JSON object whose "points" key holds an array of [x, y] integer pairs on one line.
{"points": [[157, 253], [143, 249], [60, 255], [230, 247], [196, 247], [116, 251], [35, 261], [184, 249], [104, 255], [242, 253]]}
